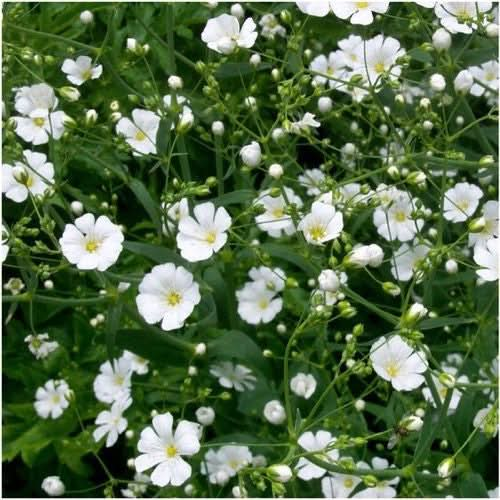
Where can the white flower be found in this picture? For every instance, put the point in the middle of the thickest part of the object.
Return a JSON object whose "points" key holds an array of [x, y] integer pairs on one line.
{"points": [[199, 239], [487, 74], [174, 213], [325, 104], [333, 67], [251, 154], [463, 81], [80, 70], [167, 294], [175, 82], [256, 303], [486, 257], [304, 124], [218, 128], [337, 485], [205, 415], [441, 39], [271, 27], [223, 34], [281, 473], [350, 50], [162, 448], [460, 17], [312, 179], [39, 125], [53, 486], [274, 221], [384, 488], [303, 385], [140, 132], [461, 201], [92, 244], [275, 170], [379, 55], [274, 412], [442, 390], [485, 419], [395, 361], [406, 260], [40, 346], [137, 364], [437, 82], [490, 216], [328, 281], [225, 463], [311, 442], [229, 375], [52, 399], [39, 96], [358, 12], [322, 224], [416, 312], [114, 381], [112, 422], [34, 176], [185, 117], [395, 222], [366, 255], [274, 279], [136, 489], [318, 8]]}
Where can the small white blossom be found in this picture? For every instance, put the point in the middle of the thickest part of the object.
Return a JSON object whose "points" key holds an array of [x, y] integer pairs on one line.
{"points": [[52, 399], [223, 34], [320, 442], [53, 486], [111, 422], [461, 201], [322, 224], [231, 376], [303, 385], [114, 381], [274, 412], [40, 346], [486, 257], [140, 132], [80, 70]]}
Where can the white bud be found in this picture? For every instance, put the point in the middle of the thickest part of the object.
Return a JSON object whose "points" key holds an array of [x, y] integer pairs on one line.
{"points": [[354, 126], [441, 39], [267, 353], [100, 318], [492, 30], [251, 103], [427, 125], [349, 149], [281, 328], [90, 117], [175, 82], [239, 492], [447, 379], [114, 105], [311, 282], [350, 363], [131, 463], [416, 312], [255, 60], [359, 404], [123, 286], [425, 102], [259, 461], [132, 44], [399, 98], [412, 423], [274, 412], [275, 170], [200, 349], [237, 10], [192, 371], [153, 413], [383, 129], [189, 490], [218, 128], [459, 120], [275, 74], [325, 104], [116, 116], [277, 134], [420, 412], [129, 434], [365, 255], [212, 4], [451, 266], [86, 17], [445, 468], [53, 486], [93, 322], [303, 385], [205, 415], [463, 82], [251, 154], [328, 281], [48, 284], [437, 82], [71, 94], [281, 473]]}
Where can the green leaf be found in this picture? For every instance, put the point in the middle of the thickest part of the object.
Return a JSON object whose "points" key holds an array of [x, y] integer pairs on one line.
{"points": [[235, 69], [428, 324], [234, 198], [145, 199], [426, 435], [471, 485], [158, 254], [281, 252], [163, 136]]}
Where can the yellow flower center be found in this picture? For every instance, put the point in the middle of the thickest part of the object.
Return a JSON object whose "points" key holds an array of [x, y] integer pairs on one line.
{"points": [[379, 67], [234, 464], [443, 392], [170, 451], [277, 212], [91, 246], [39, 121], [86, 74], [263, 303], [463, 205], [361, 5], [489, 77], [140, 135], [392, 369], [317, 232], [56, 399], [36, 343], [119, 379], [348, 483], [400, 216], [173, 298], [210, 237]]}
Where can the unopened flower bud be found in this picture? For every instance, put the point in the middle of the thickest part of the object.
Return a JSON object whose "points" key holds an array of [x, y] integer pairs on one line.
{"points": [[279, 472], [446, 467]]}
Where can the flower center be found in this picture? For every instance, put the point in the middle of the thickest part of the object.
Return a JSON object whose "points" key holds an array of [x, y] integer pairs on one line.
{"points": [[392, 369], [140, 135], [489, 77], [317, 232], [173, 298], [91, 246], [86, 74], [361, 5], [400, 216], [277, 212], [170, 451], [348, 483], [39, 121], [36, 343], [210, 237], [56, 399], [119, 379], [379, 67], [463, 205], [263, 303]]}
